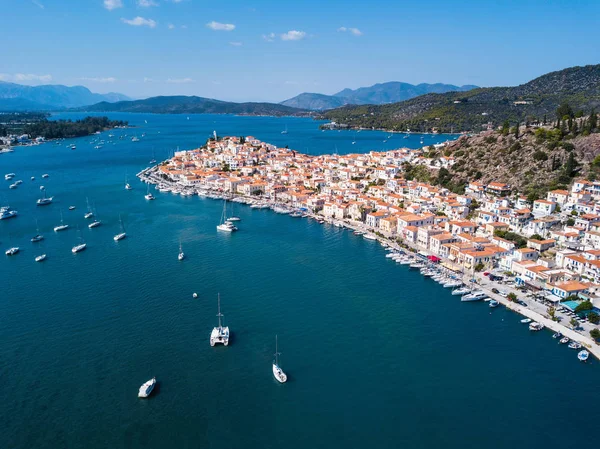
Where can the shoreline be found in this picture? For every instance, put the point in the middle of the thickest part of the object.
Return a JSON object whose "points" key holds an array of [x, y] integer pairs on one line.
{"points": [[149, 176]]}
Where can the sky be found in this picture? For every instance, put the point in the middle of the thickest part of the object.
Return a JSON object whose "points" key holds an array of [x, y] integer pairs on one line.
{"points": [[265, 50]]}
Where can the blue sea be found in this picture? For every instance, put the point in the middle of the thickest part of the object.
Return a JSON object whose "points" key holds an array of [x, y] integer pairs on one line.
{"points": [[376, 355]]}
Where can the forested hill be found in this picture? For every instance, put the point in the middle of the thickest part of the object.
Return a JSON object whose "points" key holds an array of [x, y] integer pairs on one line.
{"points": [[469, 111], [193, 105]]}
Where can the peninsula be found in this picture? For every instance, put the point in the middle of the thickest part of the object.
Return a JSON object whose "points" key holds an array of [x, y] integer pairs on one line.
{"points": [[548, 249]]}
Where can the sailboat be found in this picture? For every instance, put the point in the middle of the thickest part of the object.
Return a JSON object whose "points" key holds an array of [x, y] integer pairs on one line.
{"points": [[181, 254], [219, 334], [45, 200], [149, 195], [96, 222], [80, 247], [225, 225], [233, 217], [277, 371], [40, 258], [285, 131], [38, 237], [62, 225], [354, 141], [153, 160], [89, 213], [122, 234]]}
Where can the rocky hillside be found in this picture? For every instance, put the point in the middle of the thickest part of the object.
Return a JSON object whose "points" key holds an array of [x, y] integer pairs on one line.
{"points": [[469, 111], [536, 161]]}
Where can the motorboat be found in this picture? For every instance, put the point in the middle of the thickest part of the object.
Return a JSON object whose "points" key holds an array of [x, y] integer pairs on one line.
{"points": [[9, 176], [493, 304], [557, 335], [128, 186], [40, 258], [146, 388], [6, 213], [78, 248], [219, 334], [181, 254], [13, 186], [370, 236], [45, 175], [460, 291], [526, 321], [574, 345], [72, 207], [277, 371], [12, 251], [564, 340], [535, 326], [95, 224], [37, 238], [583, 355], [452, 283]]}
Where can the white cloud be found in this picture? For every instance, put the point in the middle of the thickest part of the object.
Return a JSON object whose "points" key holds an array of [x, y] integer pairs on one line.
{"points": [[139, 21], [148, 80], [269, 37], [4, 77], [235, 44], [293, 35], [32, 77], [171, 26], [216, 26], [113, 4], [146, 3], [354, 31], [38, 4], [180, 80], [109, 79]]}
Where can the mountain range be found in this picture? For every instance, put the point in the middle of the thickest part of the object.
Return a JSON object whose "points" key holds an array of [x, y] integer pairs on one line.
{"points": [[17, 97], [193, 105], [469, 111], [382, 93]]}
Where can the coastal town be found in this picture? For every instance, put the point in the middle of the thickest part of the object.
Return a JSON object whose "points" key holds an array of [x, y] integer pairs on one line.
{"points": [[547, 250]]}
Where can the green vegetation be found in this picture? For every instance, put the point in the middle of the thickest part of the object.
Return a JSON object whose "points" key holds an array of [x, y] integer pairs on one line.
{"points": [[595, 334], [58, 129], [479, 267], [512, 297], [584, 306], [518, 240], [593, 317]]}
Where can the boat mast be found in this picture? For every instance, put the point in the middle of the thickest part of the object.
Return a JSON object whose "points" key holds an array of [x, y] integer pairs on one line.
{"points": [[219, 314], [276, 352]]}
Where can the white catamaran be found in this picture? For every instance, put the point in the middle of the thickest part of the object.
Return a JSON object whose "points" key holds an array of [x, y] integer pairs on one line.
{"points": [[225, 225], [219, 334]]}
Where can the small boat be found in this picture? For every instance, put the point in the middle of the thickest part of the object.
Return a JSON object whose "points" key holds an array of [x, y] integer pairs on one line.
{"points": [[574, 345], [73, 147], [40, 258], [9, 176], [6, 212], [526, 321], [33, 178], [181, 254], [194, 295], [583, 355], [45, 200], [535, 326], [564, 340], [370, 236], [78, 248], [147, 388], [128, 186], [149, 195], [219, 334], [122, 234], [557, 335], [135, 139], [460, 291], [12, 251], [493, 304], [45, 175], [225, 225], [285, 131], [37, 238], [94, 224], [277, 371], [62, 226]]}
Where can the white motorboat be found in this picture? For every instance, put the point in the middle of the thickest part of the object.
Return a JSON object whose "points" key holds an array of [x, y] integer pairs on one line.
{"points": [[9, 176], [574, 345], [95, 224], [564, 340], [583, 355], [460, 291], [13, 186], [79, 248], [6, 212], [40, 258], [277, 371], [535, 326], [12, 251], [147, 388], [477, 295], [526, 320], [45, 175], [72, 207], [149, 195], [452, 283], [128, 186], [135, 139], [493, 304], [370, 236], [33, 178], [219, 334], [181, 254]]}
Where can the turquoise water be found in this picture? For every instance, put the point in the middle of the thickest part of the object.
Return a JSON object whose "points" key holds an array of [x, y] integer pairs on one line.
{"points": [[376, 354], [571, 304]]}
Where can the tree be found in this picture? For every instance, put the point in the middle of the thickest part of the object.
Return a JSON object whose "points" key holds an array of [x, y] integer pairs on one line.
{"points": [[551, 312], [570, 222], [585, 305], [517, 130], [479, 267], [512, 297], [564, 110], [593, 120], [536, 237], [593, 317], [595, 334], [574, 323], [505, 128]]}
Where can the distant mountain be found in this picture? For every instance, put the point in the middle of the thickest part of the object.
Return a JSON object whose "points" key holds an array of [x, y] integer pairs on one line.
{"points": [[468, 111], [17, 97], [193, 105], [382, 93]]}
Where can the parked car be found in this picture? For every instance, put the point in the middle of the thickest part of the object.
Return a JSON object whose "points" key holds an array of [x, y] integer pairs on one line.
{"points": [[495, 290], [521, 302], [503, 293]]}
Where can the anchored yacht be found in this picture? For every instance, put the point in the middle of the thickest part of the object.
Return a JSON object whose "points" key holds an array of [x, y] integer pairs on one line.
{"points": [[40, 258], [277, 371], [6, 212], [45, 200], [12, 251], [181, 254], [219, 334], [474, 296], [62, 226], [147, 388], [122, 234]]}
